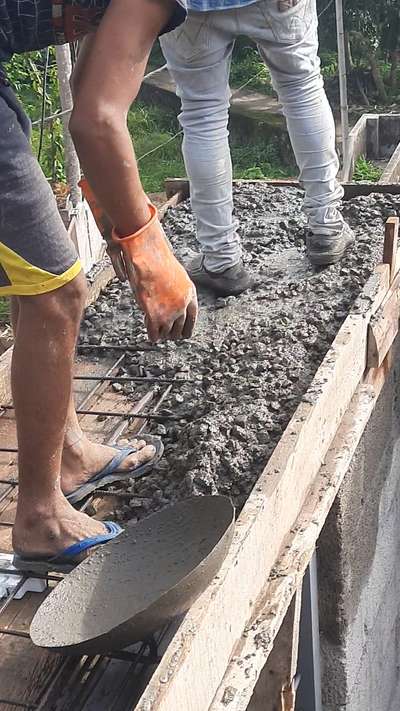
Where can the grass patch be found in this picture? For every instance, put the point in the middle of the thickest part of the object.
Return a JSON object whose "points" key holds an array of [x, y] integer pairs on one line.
{"points": [[4, 310], [248, 65], [151, 126], [365, 171]]}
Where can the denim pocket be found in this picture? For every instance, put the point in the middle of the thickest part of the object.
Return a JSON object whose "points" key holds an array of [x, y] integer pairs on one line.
{"points": [[192, 39], [289, 20]]}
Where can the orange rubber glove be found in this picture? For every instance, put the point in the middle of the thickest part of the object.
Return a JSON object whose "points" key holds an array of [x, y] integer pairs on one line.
{"points": [[162, 287], [105, 229]]}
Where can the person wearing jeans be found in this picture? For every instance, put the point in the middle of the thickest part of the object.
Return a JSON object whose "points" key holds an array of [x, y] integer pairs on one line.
{"points": [[199, 55]]}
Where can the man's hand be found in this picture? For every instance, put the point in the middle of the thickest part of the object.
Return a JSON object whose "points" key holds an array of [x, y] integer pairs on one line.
{"points": [[105, 228], [162, 287]]}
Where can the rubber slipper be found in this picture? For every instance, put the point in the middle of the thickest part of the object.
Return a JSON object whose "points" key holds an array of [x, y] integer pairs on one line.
{"points": [[111, 472], [70, 557]]}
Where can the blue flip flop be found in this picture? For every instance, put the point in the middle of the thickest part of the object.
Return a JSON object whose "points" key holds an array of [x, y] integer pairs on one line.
{"points": [[70, 557], [111, 473]]}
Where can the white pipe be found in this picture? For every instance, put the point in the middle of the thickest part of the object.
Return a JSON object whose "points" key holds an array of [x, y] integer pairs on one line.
{"points": [[344, 108]]}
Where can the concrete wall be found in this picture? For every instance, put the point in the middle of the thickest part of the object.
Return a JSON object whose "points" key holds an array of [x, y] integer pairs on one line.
{"points": [[359, 571]]}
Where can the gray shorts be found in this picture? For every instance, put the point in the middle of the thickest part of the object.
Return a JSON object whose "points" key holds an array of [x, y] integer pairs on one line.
{"points": [[36, 253]]}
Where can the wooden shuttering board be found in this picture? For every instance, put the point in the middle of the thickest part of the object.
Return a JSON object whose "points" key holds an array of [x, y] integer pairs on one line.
{"points": [[275, 683], [193, 666], [351, 190], [391, 244], [252, 650], [384, 324]]}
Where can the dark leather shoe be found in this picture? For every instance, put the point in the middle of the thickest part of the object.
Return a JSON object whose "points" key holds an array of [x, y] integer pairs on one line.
{"points": [[323, 250], [231, 282]]}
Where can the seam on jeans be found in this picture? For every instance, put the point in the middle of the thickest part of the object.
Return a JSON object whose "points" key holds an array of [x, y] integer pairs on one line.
{"points": [[187, 46], [279, 27]]}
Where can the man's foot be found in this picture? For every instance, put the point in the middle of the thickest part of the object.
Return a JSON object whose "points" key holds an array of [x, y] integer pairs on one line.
{"points": [[50, 529], [231, 282], [84, 459], [323, 250]]}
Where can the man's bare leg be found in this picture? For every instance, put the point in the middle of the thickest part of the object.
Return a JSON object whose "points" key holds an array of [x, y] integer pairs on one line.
{"points": [[41, 383], [81, 458]]}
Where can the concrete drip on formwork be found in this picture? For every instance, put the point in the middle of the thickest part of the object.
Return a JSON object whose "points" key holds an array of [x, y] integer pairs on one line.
{"points": [[253, 357]]}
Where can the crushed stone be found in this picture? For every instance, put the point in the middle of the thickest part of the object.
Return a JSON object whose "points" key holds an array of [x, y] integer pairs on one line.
{"points": [[253, 357]]}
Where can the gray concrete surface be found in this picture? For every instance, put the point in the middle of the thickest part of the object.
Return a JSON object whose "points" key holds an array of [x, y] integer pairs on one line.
{"points": [[359, 571], [253, 357]]}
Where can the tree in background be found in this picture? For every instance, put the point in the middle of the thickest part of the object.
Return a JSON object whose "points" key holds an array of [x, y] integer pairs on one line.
{"points": [[372, 42]]}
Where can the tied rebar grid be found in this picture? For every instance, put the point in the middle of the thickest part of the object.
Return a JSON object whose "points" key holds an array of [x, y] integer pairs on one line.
{"points": [[86, 673]]}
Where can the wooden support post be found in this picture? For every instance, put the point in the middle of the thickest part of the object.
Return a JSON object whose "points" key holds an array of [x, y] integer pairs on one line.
{"points": [[72, 167], [390, 245], [275, 689], [344, 108], [288, 698], [384, 324]]}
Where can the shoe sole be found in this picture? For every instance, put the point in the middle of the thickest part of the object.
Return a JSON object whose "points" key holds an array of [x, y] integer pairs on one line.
{"points": [[36, 567]]}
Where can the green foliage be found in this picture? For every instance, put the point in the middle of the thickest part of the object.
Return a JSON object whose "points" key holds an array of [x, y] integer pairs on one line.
{"points": [[329, 63], [259, 160], [4, 310], [26, 76], [365, 171], [151, 126], [247, 64], [372, 37]]}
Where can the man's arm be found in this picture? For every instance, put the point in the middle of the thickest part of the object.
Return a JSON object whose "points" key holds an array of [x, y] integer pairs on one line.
{"points": [[107, 79]]}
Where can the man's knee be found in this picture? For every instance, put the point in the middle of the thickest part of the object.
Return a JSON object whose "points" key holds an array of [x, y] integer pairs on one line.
{"points": [[73, 295], [63, 305]]}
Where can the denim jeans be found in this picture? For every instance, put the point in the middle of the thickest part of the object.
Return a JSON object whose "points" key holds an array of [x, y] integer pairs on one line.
{"points": [[199, 55]]}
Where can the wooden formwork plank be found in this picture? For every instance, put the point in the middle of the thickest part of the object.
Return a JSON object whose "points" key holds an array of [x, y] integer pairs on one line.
{"points": [[384, 326], [351, 190], [101, 280], [277, 676], [208, 635], [172, 201], [206, 639], [390, 255], [256, 643], [391, 174]]}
